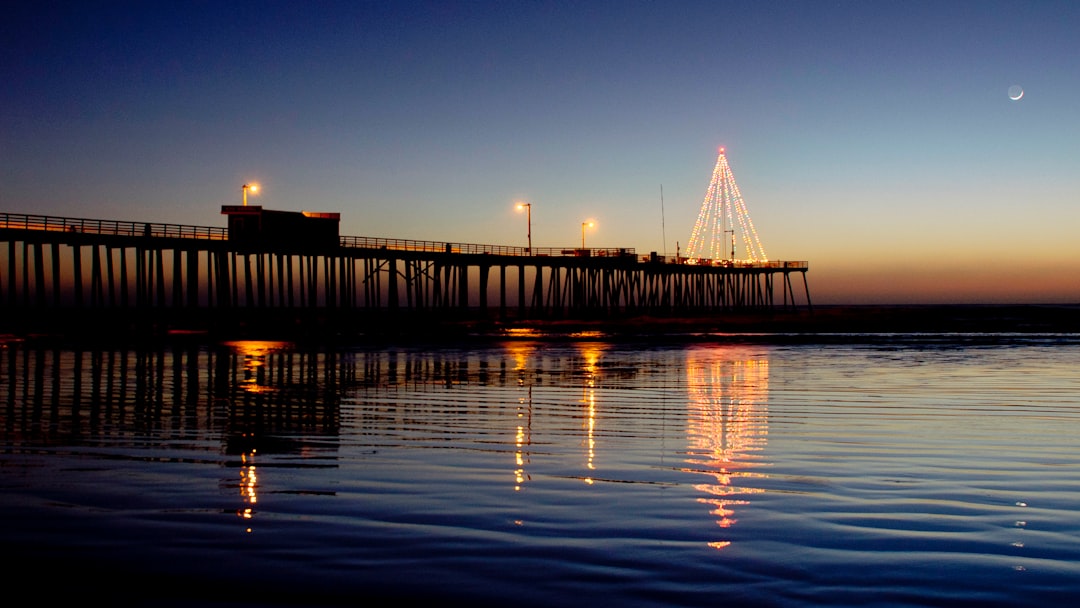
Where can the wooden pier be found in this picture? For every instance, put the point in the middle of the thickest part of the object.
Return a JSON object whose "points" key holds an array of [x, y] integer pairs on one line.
{"points": [[55, 266]]}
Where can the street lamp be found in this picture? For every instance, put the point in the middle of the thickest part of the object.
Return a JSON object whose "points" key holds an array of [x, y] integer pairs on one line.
{"points": [[583, 226], [254, 189], [528, 214]]}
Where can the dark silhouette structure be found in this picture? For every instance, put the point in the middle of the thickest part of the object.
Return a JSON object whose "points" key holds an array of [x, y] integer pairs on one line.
{"points": [[309, 231], [290, 266]]}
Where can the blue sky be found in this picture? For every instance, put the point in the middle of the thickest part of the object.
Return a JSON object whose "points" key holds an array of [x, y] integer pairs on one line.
{"points": [[874, 139]]}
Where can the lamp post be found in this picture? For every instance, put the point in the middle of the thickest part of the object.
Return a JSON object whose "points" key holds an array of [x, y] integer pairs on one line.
{"points": [[528, 215], [583, 225], [254, 189]]}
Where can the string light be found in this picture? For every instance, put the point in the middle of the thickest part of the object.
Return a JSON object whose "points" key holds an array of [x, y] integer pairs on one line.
{"points": [[724, 211]]}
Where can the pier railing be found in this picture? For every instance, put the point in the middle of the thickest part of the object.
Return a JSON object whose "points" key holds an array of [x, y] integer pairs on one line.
{"points": [[22, 221], [364, 242]]}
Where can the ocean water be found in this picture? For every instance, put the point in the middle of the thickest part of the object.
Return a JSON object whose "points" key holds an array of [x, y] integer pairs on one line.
{"points": [[870, 471]]}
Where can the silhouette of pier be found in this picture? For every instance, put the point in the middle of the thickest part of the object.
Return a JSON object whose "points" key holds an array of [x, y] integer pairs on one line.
{"points": [[289, 265]]}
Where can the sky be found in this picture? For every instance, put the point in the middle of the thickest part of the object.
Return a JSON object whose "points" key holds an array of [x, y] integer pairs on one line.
{"points": [[875, 140]]}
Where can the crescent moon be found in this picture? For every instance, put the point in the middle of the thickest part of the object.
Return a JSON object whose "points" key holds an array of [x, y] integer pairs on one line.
{"points": [[1016, 92]]}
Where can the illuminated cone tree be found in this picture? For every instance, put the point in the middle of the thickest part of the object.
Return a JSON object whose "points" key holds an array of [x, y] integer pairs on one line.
{"points": [[723, 221]]}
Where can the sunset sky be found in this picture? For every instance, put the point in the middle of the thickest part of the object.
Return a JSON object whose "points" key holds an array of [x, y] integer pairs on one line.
{"points": [[876, 140]]}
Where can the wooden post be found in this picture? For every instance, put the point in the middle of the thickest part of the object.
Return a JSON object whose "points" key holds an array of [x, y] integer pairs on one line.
{"points": [[77, 278], [192, 278], [56, 273]]}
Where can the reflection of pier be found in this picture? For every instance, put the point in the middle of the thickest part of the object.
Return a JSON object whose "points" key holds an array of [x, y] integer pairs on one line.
{"points": [[727, 424], [57, 393], [522, 414], [174, 271], [258, 398]]}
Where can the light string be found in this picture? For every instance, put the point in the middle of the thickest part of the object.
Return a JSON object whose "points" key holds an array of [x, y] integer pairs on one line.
{"points": [[723, 210]]}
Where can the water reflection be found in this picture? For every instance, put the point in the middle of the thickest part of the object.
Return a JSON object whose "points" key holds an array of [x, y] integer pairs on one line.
{"points": [[260, 407], [254, 357], [228, 403], [590, 355], [727, 424], [599, 474], [520, 353], [249, 482]]}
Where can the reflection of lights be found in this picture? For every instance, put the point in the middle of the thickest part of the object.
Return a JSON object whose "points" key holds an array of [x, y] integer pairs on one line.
{"points": [[519, 458], [591, 354], [520, 353], [523, 332], [255, 354], [726, 425], [248, 485], [587, 334], [591, 425]]}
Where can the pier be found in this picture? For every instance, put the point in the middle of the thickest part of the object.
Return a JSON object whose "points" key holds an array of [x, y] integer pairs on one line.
{"points": [[291, 266]]}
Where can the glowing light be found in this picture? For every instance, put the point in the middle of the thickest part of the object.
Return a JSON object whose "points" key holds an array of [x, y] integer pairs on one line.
{"points": [[252, 188], [528, 214], [724, 212], [584, 225], [1016, 92]]}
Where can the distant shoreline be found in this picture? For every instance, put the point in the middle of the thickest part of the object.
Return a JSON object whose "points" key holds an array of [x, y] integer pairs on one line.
{"points": [[820, 323], [840, 320]]}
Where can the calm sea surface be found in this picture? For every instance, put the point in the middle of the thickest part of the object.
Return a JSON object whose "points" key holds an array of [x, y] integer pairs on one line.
{"points": [[891, 471]]}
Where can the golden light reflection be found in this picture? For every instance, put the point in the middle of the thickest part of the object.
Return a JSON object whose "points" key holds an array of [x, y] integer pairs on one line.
{"points": [[590, 423], [520, 353], [523, 332], [256, 357], [590, 354], [727, 425], [249, 483], [522, 440], [587, 334]]}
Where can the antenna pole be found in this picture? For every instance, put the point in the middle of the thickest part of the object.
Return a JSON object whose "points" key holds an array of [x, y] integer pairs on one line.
{"points": [[663, 227]]}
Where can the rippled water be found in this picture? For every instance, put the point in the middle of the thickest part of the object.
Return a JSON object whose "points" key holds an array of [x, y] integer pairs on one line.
{"points": [[912, 472]]}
